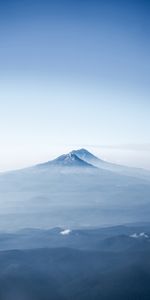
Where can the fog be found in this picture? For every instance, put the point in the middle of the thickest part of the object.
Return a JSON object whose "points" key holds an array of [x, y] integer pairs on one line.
{"points": [[48, 197]]}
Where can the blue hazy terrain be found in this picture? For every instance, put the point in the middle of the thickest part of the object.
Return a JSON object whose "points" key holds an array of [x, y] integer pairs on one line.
{"points": [[74, 190]]}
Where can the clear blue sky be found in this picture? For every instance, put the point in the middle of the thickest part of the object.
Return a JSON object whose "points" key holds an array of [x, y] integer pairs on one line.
{"points": [[72, 73]]}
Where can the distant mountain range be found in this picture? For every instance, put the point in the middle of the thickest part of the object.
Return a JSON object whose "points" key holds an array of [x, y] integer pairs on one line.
{"points": [[116, 238], [107, 263]]}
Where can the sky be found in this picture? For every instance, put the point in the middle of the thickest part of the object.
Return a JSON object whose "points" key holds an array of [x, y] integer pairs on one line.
{"points": [[74, 74]]}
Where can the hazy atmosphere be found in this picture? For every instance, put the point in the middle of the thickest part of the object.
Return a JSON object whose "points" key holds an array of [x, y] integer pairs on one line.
{"points": [[74, 74], [74, 150]]}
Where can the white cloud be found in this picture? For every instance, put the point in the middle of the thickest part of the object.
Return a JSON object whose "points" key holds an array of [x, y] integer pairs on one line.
{"points": [[65, 232]]}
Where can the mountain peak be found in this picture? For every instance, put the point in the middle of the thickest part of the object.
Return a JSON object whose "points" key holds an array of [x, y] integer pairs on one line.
{"points": [[86, 155], [82, 151], [70, 160], [81, 158]]}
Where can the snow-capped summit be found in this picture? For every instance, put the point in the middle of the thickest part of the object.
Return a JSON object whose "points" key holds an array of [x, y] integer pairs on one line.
{"points": [[69, 160]]}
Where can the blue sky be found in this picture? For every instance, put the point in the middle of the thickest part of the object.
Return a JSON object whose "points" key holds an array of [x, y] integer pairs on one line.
{"points": [[74, 73]]}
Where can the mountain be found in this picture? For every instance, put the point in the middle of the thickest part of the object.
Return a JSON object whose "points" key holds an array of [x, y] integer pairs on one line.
{"points": [[82, 159], [68, 160]]}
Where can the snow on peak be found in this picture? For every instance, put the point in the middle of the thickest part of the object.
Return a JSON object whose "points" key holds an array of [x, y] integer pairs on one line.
{"points": [[86, 156], [70, 159], [67, 159], [65, 232], [75, 158]]}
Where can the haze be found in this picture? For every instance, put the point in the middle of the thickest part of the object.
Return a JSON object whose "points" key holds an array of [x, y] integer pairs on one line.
{"points": [[74, 74]]}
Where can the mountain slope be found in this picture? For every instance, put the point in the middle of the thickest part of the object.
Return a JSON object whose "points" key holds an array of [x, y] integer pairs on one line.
{"points": [[87, 156], [99, 163]]}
